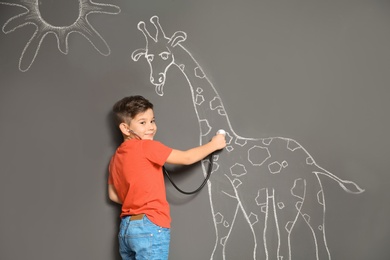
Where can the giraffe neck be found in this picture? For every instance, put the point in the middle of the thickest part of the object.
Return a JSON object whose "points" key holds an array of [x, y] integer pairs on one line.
{"points": [[207, 103]]}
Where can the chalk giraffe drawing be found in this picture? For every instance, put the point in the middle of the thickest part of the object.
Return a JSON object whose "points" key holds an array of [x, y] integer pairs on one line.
{"points": [[274, 182], [81, 25]]}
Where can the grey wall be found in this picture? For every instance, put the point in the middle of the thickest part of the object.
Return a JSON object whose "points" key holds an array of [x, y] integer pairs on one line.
{"points": [[313, 71]]}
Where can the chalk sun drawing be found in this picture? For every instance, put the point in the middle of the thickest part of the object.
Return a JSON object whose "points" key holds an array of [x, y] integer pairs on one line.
{"points": [[273, 182], [81, 25]]}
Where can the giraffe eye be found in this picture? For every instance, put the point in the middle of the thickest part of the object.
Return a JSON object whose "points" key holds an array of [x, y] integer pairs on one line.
{"points": [[150, 57], [164, 55]]}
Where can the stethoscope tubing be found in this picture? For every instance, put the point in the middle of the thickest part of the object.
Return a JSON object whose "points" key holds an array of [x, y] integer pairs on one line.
{"points": [[209, 170]]}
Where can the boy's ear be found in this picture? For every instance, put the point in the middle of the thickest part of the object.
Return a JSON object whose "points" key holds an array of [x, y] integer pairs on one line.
{"points": [[124, 129]]}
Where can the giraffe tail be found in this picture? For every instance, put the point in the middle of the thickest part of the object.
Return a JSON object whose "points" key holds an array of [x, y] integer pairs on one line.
{"points": [[348, 186]]}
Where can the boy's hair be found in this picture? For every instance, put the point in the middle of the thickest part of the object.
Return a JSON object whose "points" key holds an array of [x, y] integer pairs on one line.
{"points": [[127, 108]]}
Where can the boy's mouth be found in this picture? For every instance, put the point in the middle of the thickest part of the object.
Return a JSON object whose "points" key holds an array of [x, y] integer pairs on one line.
{"points": [[149, 135]]}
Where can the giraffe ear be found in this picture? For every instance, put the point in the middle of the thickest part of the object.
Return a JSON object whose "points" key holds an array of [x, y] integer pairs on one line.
{"points": [[177, 38], [137, 54]]}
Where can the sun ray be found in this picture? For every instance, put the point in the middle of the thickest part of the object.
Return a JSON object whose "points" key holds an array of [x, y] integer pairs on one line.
{"points": [[81, 25]]}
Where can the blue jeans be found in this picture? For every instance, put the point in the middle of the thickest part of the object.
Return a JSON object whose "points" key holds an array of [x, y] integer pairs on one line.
{"points": [[143, 240]]}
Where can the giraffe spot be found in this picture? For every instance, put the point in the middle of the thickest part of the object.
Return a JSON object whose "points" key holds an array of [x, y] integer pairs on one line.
{"points": [[229, 148], [253, 219], [306, 217], [199, 90], [320, 227], [238, 170], [228, 138], [226, 224], [309, 160], [257, 155], [199, 72], [240, 141], [237, 183], [230, 195], [261, 197], [298, 205], [199, 100], [222, 112], [289, 226], [205, 128], [298, 189], [206, 164], [215, 157], [320, 197], [267, 141], [215, 167], [206, 161], [181, 67], [264, 209], [293, 145], [274, 167], [215, 103], [281, 205], [223, 240], [284, 164], [218, 218]]}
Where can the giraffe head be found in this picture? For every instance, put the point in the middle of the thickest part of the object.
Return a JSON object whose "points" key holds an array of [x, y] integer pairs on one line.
{"points": [[158, 52]]}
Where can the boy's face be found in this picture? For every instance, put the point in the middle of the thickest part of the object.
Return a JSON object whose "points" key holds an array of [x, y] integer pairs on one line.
{"points": [[144, 125]]}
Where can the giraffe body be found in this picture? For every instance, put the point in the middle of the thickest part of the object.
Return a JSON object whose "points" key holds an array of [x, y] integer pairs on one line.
{"points": [[250, 175]]}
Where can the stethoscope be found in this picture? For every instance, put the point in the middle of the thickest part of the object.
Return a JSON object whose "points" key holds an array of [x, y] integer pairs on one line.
{"points": [[209, 170]]}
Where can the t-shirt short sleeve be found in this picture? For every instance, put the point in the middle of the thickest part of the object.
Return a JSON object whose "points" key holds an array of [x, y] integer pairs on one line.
{"points": [[156, 152]]}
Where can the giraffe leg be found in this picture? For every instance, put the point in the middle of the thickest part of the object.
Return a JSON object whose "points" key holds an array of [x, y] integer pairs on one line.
{"points": [[224, 217], [280, 218], [255, 208], [287, 212], [314, 216], [271, 230]]}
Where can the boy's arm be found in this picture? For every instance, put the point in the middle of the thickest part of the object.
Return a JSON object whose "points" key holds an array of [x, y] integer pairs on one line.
{"points": [[198, 153], [113, 195]]}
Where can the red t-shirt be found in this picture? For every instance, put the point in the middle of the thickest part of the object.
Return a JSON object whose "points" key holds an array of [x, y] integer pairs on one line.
{"points": [[136, 173]]}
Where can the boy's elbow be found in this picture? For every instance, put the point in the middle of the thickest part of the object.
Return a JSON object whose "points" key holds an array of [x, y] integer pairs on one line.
{"points": [[115, 199], [111, 197], [112, 194]]}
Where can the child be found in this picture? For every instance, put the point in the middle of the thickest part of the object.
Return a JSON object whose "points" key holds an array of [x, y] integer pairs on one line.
{"points": [[136, 180]]}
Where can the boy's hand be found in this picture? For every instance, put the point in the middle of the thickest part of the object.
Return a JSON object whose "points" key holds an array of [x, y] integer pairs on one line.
{"points": [[219, 141], [197, 153]]}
